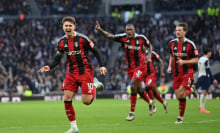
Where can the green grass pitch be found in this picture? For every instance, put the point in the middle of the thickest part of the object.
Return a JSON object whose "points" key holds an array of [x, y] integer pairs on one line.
{"points": [[107, 116]]}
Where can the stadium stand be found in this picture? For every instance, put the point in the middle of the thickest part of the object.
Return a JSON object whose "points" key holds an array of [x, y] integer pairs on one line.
{"points": [[27, 45]]}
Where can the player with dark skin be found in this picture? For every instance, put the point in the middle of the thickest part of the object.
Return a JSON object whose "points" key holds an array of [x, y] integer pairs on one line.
{"points": [[133, 45]]}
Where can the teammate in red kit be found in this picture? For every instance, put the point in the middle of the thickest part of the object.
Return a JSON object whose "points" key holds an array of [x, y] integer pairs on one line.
{"points": [[76, 46], [133, 45], [183, 56], [150, 80]]}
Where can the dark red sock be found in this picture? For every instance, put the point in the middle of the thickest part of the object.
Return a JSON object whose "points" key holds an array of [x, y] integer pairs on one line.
{"points": [[70, 113], [182, 106], [133, 100], [188, 92], [158, 97], [145, 96], [151, 94]]}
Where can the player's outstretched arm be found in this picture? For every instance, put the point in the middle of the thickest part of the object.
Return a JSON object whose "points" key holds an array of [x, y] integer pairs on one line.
{"points": [[44, 69], [103, 32]]}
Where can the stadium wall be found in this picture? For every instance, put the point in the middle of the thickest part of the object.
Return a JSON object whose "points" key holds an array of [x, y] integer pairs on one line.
{"points": [[122, 96]]}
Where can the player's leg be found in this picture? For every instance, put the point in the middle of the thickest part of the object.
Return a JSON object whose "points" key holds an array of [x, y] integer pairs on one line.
{"points": [[133, 100], [152, 108], [205, 84], [70, 112], [88, 88], [70, 89], [180, 95], [149, 81], [160, 99], [149, 92], [185, 83], [203, 99]]}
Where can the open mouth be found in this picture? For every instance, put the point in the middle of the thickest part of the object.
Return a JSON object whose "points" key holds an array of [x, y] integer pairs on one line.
{"points": [[68, 31]]}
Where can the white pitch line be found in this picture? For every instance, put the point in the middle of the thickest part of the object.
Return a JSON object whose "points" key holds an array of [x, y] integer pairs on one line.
{"points": [[208, 121], [34, 127]]}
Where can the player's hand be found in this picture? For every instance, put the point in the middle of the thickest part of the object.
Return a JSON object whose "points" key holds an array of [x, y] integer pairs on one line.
{"points": [[44, 69], [179, 61], [97, 26], [169, 69], [102, 70]]}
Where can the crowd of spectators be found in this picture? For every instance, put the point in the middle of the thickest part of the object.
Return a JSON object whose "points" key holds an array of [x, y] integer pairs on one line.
{"points": [[10, 7], [178, 5], [27, 45], [54, 7]]}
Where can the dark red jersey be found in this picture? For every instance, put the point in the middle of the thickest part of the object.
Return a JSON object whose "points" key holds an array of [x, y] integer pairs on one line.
{"points": [[133, 49], [185, 51], [77, 51], [154, 58]]}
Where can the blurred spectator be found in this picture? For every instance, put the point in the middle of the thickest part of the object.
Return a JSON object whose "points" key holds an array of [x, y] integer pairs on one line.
{"points": [[14, 7], [50, 7]]}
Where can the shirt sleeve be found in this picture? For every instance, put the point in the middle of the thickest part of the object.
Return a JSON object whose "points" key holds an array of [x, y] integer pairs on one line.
{"points": [[208, 71], [118, 37], [60, 47], [96, 52], [194, 52]]}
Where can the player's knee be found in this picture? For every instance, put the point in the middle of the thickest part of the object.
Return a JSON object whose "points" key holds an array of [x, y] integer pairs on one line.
{"points": [[87, 101]]}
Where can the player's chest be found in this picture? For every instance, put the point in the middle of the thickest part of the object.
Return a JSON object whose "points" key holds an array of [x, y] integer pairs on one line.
{"points": [[132, 44]]}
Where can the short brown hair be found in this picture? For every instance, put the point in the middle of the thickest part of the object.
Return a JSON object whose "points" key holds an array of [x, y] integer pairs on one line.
{"points": [[184, 25], [69, 19]]}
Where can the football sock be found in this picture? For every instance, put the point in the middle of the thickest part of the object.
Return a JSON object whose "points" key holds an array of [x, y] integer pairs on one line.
{"points": [[70, 113], [182, 106], [151, 94], [188, 92], [73, 124], [133, 99], [158, 97], [202, 101], [144, 96]]}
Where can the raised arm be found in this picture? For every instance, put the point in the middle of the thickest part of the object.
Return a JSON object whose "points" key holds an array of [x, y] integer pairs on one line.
{"points": [[103, 32]]}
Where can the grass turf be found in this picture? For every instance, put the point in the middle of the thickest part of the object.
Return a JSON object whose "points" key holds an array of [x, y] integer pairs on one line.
{"points": [[107, 116]]}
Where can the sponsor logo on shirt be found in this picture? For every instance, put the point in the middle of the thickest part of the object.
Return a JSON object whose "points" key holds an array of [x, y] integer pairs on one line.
{"points": [[132, 47], [74, 52], [180, 54]]}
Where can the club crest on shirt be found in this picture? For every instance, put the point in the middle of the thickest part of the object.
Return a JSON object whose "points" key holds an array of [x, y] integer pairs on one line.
{"points": [[138, 74], [76, 44], [184, 48], [137, 42]]}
